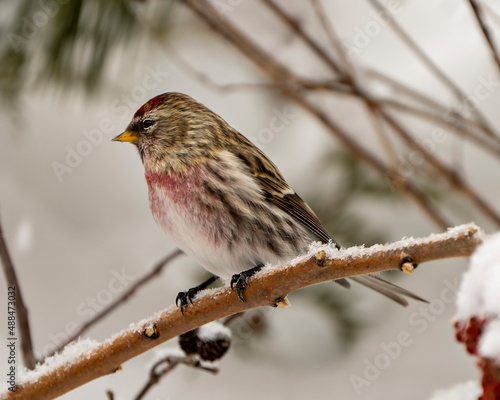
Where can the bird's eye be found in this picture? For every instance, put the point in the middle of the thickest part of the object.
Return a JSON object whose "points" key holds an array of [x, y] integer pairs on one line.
{"points": [[147, 123]]}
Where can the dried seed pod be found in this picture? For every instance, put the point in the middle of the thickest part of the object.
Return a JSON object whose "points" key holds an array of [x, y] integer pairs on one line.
{"points": [[210, 342]]}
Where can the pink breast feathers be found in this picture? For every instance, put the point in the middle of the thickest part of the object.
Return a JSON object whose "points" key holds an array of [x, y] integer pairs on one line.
{"points": [[175, 204], [167, 191]]}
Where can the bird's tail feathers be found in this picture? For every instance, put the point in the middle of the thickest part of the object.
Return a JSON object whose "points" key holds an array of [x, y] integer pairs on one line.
{"points": [[343, 282], [387, 289]]}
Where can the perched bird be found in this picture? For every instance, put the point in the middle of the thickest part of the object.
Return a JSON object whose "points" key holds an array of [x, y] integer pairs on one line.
{"points": [[219, 197]]}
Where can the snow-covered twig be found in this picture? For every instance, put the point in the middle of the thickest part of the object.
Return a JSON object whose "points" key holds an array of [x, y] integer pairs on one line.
{"points": [[271, 284]]}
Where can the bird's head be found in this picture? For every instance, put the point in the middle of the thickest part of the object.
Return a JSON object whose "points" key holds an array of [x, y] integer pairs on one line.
{"points": [[172, 131]]}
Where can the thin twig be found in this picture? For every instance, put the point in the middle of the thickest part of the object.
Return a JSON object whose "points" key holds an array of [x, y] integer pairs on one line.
{"points": [[458, 93], [155, 271], [167, 365], [374, 108], [21, 309], [451, 176], [382, 135], [196, 73], [458, 120], [465, 127], [202, 77], [332, 37], [447, 116], [456, 123], [400, 87], [61, 377], [297, 28], [353, 82], [403, 89], [155, 376], [487, 35]]}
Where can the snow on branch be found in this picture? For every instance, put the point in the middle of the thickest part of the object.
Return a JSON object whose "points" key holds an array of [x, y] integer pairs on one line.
{"points": [[463, 391], [269, 288], [478, 313]]}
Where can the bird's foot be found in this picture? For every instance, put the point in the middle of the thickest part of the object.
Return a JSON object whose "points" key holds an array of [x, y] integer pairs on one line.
{"points": [[240, 280], [184, 298]]}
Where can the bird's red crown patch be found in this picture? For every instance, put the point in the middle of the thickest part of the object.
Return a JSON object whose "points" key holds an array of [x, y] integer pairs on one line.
{"points": [[151, 104]]}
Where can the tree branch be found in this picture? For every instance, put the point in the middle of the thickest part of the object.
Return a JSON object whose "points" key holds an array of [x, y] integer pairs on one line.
{"points": [[487, 35], [21, 309], [167, 365], [333, 38], [460, 123], [58, 377], [438, 72], [296, 27], [449, 174], [374, 109]]}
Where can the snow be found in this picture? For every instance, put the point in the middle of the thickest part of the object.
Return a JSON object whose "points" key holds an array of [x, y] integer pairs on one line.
{"points": [[361, 251], [357, 251], [464, 391], [71, 354], [213, 293], [330, 249], [213, 331], [489, 346], [479, 295], [138, 327]]}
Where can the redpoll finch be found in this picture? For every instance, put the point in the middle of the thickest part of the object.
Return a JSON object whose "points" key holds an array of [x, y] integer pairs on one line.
{"points": [[220, 199]]}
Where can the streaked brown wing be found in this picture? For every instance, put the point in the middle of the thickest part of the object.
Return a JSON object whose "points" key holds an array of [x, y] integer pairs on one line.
{"points": [[293, 205], [278, 192]]}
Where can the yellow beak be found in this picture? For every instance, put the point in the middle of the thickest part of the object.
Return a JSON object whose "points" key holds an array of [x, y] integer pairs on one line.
{"points": [[127, 136]]}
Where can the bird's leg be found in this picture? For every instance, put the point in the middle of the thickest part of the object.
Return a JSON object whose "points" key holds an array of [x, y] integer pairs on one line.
{"points": [[183, 298], [240, 280]]}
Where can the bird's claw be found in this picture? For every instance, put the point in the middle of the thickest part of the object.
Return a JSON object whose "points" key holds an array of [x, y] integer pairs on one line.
{"points": [[184, 298], [240, 281]]}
